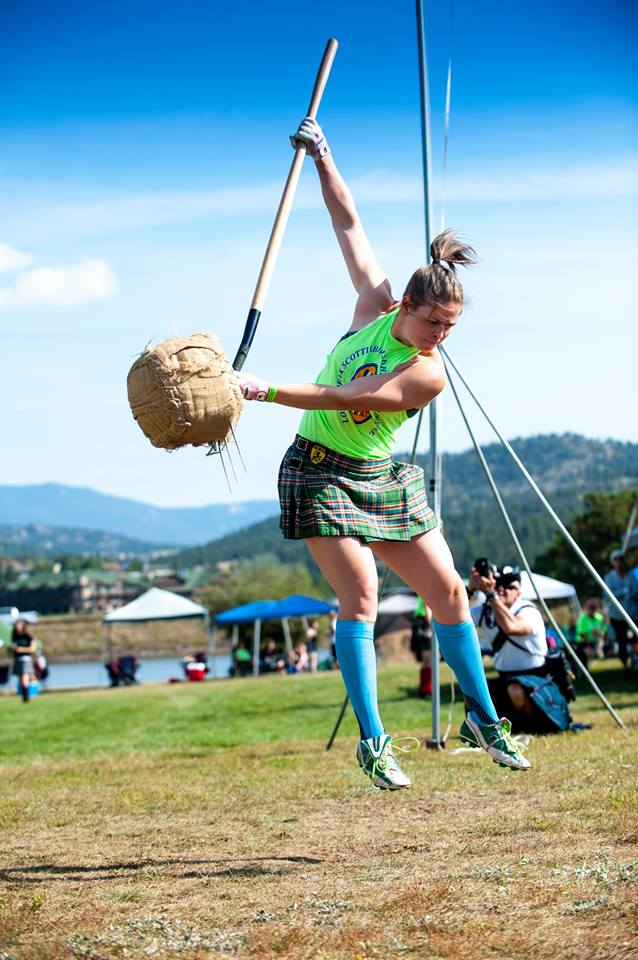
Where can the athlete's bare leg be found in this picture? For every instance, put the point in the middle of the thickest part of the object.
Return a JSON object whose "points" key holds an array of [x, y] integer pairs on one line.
{"points": [[348, 566], [426, 565]]}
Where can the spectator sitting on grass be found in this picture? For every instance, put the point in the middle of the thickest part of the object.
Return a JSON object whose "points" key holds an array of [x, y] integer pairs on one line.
{"points": [[242, 659], [524, 691], [298, 659], [273, 659], [312, 637]]}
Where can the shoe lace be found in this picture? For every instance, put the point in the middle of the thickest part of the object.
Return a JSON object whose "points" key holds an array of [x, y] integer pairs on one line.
{"points": [[398, 743], [511, 742]]}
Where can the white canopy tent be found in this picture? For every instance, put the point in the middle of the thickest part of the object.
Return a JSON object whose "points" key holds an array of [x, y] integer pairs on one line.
{"points": [[397, 604], [158, 604], [549, 589]]}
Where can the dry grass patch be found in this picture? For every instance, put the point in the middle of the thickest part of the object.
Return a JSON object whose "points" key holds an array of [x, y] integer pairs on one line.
{"points": [[279, 849]]}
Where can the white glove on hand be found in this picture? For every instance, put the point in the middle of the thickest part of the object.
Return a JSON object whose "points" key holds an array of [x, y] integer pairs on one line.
{"points": [[310, 135], [252, 388]]}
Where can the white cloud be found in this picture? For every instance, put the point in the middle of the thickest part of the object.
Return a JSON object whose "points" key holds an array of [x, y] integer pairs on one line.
{"points": [[582, 181], [12, 259], [604, 179], [61, 286]]}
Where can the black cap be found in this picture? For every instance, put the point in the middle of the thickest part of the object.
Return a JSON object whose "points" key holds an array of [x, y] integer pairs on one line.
{"points": [[508, 576]]}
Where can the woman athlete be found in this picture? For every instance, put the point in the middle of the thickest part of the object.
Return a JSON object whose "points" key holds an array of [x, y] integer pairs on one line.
{"points": [[341, 492]]}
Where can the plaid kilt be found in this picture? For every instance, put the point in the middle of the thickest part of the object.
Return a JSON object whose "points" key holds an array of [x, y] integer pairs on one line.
{"points": [[323, 493]]}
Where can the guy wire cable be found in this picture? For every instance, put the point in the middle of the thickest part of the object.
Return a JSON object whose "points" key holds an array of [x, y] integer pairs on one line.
{"points": [[559, 523], [523, 557]]}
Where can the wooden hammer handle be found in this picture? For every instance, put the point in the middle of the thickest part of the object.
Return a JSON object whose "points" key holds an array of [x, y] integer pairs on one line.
{"points": [[285, 205]]}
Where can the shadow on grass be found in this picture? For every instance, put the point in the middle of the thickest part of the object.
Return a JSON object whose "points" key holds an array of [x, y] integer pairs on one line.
{"points": [[251, 867], [610, 680]]}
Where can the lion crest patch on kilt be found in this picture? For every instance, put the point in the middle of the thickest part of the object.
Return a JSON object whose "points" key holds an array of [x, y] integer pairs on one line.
{"points": [[317, 454]]}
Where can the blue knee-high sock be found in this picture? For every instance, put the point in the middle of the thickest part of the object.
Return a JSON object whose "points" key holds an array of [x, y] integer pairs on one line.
{"points": [[354, 641], [461, 651]]}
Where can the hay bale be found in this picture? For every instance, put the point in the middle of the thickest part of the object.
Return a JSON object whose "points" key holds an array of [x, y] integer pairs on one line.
{"points": [[184, 391]]}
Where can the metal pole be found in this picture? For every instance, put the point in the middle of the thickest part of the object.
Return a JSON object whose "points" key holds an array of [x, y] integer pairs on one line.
{"points": [[523, 557], [342, 713], [256, 645], [435, 405], [102, 646], [630, 526], [287, 638], [211, 642]]}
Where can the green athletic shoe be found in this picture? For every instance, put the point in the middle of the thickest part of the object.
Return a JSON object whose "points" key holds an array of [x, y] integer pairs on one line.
{"points": [[497, 740], [377, 760]]}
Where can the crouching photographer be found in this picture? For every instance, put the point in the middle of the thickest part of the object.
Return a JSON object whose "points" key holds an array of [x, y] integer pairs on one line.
{"points": [[526, 690]]}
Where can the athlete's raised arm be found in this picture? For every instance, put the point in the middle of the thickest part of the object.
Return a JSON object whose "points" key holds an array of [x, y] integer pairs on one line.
{"points": [[410, 386], [367, 275]]}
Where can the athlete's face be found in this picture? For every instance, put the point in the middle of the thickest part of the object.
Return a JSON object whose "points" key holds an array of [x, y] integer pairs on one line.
{"points": [[427, 326]]}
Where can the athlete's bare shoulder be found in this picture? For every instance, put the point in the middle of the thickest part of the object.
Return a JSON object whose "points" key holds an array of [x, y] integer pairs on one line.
{"points": [[426, 362], [426, 370], [432, 357], [371, 303]]}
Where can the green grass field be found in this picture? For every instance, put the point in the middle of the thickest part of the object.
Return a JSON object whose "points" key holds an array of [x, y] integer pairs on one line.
{"points": [[209, 820]]}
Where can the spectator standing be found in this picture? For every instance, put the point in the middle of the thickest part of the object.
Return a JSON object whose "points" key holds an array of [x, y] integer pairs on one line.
{"points": [[624, 586], [24, 650], [590, 632], [332, 630], [421, 646], [312, 638]]}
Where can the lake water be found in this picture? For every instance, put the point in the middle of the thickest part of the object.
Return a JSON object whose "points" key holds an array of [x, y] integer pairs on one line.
{"points": [[150, 671]]}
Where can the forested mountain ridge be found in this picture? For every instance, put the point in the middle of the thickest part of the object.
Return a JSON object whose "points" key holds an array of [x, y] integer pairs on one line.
{"points": [[60, 505], [565, 467], [559, 463], [38, 539]]}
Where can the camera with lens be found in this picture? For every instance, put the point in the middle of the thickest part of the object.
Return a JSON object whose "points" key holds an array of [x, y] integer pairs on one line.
{"points": [[484, 568]]}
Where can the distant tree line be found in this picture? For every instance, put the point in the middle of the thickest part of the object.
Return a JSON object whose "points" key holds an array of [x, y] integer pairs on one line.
{"points": [[567, 468], [597, 529]]}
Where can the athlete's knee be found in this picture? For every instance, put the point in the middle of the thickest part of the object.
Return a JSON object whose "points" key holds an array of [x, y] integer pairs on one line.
{"points": [[519, 697], [450, 604], [360, 604]]}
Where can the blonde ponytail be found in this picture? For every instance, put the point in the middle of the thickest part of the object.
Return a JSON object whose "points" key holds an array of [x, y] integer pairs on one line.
{"points": [[438, 282]]}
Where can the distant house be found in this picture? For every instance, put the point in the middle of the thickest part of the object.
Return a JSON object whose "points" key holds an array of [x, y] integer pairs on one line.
{"points": [[89, 591], [44, 592]]}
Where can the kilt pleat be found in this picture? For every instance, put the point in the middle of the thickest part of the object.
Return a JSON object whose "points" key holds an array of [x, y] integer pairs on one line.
{"points": [[341, 496]]}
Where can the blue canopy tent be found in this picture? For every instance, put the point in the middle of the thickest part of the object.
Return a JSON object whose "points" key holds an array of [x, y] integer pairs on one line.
{"points": [[294, 606]]}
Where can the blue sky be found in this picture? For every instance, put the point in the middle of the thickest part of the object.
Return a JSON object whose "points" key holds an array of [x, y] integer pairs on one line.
{"points": [[143, 147]]}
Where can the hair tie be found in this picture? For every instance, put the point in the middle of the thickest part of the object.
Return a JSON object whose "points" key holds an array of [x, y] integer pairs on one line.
{"points": [[441, 263]]}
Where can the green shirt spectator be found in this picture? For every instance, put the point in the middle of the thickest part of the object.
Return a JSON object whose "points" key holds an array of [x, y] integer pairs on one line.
{"points": [[590, 626], [589, 629]]}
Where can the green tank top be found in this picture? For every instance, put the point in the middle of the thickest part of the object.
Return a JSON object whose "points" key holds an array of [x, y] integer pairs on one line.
{"points": [[362, 434]]}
